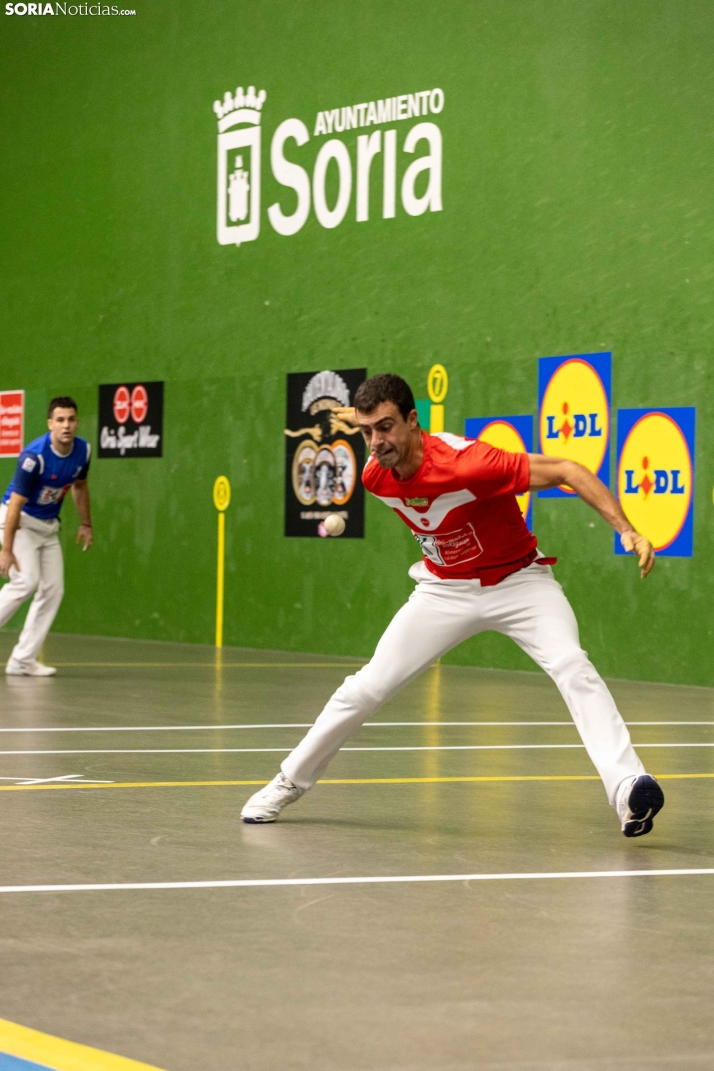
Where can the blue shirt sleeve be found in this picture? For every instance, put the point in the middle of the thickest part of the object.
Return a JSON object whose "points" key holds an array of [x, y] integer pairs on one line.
{"points": [[27, 474], [85, 467]]}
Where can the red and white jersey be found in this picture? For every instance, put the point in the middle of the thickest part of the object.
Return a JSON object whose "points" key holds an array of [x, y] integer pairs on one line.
{"points": [[461, 507]]}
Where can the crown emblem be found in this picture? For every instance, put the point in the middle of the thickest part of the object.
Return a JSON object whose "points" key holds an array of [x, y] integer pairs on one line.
{"points": [[239, 137], [241, 108]]}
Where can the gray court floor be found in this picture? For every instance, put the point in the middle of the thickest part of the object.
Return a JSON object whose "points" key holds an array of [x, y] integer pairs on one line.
{"points": [[467, 772]]}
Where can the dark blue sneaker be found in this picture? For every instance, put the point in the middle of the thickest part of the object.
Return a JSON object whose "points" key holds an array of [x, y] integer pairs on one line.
{"points": [[644, 801]]}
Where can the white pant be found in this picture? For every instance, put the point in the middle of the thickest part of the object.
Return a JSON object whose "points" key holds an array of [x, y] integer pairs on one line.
{"points": [[530, 607], [39, 555]]}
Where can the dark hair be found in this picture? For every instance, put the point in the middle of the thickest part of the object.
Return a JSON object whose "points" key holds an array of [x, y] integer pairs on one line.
{"points": [[385, 388], [63, 402]]}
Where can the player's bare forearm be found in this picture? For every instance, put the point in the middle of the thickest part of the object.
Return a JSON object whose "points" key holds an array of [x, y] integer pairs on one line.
{"points": [[12, 520], [548, 472], [12, 523], [80, 494]]}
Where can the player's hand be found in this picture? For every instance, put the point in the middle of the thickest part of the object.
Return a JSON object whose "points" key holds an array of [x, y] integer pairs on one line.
{"points": [[7, 562], [634, 542], [85, 536]]}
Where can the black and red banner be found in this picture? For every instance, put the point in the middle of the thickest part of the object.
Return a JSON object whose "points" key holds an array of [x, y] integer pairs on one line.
{"points": [[131, 419]]}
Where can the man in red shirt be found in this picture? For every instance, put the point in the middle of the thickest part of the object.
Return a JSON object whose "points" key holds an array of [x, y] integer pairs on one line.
{"points": [[480, 570]]}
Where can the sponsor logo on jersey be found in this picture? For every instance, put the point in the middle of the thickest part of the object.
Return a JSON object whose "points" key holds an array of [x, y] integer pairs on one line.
{"points": [[303, 168], [49, 495], [437, 512], [655, 476], [574, 413], [451, 548], [416, 501], [512, 433]]}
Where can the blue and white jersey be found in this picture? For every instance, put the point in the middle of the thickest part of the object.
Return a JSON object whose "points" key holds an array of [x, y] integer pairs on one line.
{"points": [[44, 477]]}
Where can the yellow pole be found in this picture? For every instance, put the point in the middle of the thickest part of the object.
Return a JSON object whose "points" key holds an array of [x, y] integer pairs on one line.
{"points": [[437, 384], [220, 577], [221, 500]]}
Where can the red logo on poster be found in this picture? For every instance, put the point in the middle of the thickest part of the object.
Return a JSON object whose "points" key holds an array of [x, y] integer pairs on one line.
{"points": [[139, 403], [121, 405], [12, 411]]}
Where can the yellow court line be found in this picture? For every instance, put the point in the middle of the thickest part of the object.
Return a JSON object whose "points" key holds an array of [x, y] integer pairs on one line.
{"points": [[336, 781], [61, 1055], [223, 665]]}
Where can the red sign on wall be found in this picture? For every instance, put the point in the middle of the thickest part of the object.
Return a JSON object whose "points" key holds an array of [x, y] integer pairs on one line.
{"points": [[121, 405], [12, 421]]}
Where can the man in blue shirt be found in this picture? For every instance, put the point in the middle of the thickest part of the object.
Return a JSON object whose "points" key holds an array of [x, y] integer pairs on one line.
{"points": [[31, 554]]}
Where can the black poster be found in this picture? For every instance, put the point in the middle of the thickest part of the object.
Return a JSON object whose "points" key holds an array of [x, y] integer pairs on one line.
{"points": [[324, 456], [131, 419]]}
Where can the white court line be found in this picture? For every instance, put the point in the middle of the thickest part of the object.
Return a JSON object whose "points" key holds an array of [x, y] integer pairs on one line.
{"points": [[195, 728], [287, 750], [304, 725], [253, 883], [74, 778]]}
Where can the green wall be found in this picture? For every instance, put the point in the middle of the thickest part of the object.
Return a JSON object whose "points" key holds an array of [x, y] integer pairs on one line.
{"points": [[578, 169]]}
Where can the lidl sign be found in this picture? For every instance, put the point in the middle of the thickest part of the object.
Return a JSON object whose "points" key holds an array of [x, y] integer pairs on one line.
{"points": [[655, 476], [574, 395], [512, 433]]}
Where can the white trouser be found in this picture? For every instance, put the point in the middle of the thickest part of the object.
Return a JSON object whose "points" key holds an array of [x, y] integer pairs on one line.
{"points": [[39, 555], [530, 607]]}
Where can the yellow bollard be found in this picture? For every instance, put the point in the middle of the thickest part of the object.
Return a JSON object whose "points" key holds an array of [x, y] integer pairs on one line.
{"points": [[437, 384], [221, 500]]}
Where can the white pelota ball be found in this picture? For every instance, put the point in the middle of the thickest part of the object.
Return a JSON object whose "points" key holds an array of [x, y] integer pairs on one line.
{"points": [[334, 524]]}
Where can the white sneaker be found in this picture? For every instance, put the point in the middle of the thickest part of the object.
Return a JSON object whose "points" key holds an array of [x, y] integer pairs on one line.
{"points": [[28, 669], [266, 805], [639, 800]]}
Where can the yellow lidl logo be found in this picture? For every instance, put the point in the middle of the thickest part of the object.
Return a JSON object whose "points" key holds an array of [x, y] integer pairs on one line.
{"points": [[574, 412], [514, 434], [655, 476]]}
